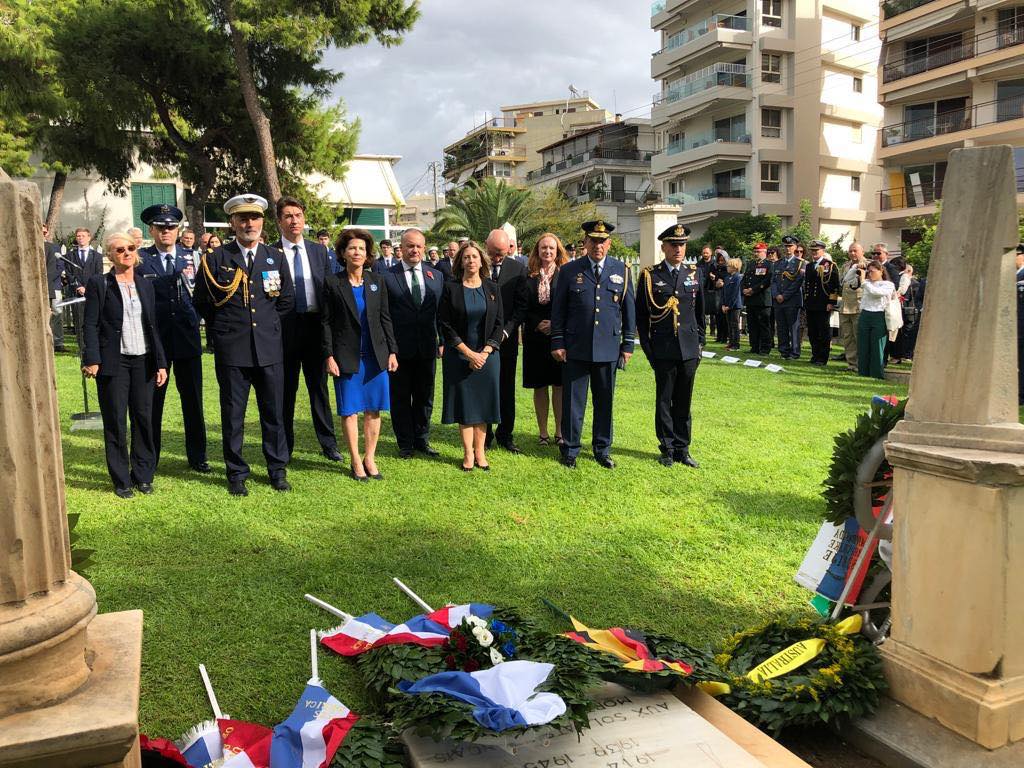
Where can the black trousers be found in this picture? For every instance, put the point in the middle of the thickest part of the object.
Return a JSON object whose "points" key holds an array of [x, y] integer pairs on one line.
{"points": [[128, 393], [305, 353], [787, 323], [820, 334], [732, 322], [577, 377], [235, 383], [673, 388], [722, 325], [188, 378], [759, 331], [412, 401], [507, 389]]}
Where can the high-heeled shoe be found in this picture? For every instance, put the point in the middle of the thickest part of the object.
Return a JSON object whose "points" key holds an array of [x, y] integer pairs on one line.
{"points": [[464, 468], [357, 478], [370, 475], [484, 467]]}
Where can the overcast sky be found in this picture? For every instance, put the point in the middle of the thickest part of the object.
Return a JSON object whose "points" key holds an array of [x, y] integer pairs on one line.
{"points": [[465, 57]]}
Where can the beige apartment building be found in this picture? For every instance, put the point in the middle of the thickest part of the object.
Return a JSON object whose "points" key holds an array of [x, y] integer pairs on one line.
{"points": [[951, 75], [507, 147], [764, 103]]}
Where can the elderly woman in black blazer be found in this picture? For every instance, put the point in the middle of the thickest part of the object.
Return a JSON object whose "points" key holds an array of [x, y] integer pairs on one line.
{"points": [[359, 347], [123, 353], [471, 321]]}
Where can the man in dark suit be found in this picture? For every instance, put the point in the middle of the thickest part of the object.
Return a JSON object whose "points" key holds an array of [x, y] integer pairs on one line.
{"points": [[821, 293], [669, 322], [387, 259], [788, 298], [757, 289], [593, 324], [86, 261], [302, 328], [414, 291], [169, 268], [333, 265], [510, 275], [54, 286], [446, 261], [881, 253], [243, 293]]}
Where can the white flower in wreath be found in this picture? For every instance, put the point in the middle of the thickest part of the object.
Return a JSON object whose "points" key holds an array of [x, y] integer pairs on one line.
{"points": [[476, 621], [496, 657], [483, 636]]}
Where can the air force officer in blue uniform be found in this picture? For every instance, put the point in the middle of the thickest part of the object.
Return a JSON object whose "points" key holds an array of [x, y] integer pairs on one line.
{"points": [[169, 268], [593, 327], [244, 292]]}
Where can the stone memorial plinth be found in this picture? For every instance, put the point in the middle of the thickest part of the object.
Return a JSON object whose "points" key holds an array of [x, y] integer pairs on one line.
{"points": [[627, 730], [49, 653], [956, 653], [654, 219]]}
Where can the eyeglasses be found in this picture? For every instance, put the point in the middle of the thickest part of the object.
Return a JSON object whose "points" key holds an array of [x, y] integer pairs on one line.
{"points": [[125, 248], [876, 253]]}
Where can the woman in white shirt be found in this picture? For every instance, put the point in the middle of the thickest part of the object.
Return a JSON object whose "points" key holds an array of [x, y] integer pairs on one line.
{"points": [[871, 331]]}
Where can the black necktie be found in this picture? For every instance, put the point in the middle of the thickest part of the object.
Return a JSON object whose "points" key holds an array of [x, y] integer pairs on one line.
{"points": [[168, 263], [675, 275], [597, 272], [248, 261], [497, 271]]}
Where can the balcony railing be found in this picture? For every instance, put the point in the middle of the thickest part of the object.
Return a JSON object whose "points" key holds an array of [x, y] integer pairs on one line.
{"points": [[735, 191], [609, 196], [912, 196], [986, 113], [615, 156], [896, 7], [718, 21], [736, 136], [657, 7], [965, 48], [721, 74]]}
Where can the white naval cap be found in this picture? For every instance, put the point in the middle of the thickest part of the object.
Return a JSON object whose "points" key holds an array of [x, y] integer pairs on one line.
{"points": [[246, 203]]}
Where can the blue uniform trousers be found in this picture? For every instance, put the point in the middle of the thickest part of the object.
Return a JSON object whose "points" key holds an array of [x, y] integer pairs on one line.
{"points": [[577, 377], [188, 378], [235, 383], [787, 322]]}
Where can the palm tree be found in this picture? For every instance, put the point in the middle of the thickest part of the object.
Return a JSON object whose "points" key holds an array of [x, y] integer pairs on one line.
{"points": [[479, 207]]}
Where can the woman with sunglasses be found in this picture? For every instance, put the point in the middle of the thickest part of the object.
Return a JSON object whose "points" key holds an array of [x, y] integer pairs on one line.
{"points": [[123, 353]]}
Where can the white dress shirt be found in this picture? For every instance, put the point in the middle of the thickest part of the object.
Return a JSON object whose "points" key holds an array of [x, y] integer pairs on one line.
{"points": [[408, 276], [876, 296], [307, 273]]}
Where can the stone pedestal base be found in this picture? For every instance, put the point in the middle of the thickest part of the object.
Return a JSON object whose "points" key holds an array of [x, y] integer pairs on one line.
{"points": [[988, 711], [97, 727]]}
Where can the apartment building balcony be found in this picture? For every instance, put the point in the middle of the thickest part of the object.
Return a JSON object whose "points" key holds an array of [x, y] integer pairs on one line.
{"points": [[701, 151], [597, 157], [461, 164], [663, 11], [953, 54], [711, 202], [891, 8], [949, 130], [716, 32], [714, 85]]}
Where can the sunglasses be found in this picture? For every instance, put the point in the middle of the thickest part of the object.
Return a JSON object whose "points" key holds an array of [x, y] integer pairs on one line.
{"points": [[125, 248], [876, 253]]}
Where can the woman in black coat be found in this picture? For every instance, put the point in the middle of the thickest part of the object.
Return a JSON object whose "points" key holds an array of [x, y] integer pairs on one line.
{"points": [[540, 369], [123, 353], [471, 322], [359, 347]]}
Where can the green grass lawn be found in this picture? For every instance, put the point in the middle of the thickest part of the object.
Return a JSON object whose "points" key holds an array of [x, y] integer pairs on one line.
{"points": [[693, 553]]}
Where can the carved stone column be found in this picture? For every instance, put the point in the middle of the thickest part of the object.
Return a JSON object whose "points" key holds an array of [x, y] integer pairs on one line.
{"points": [[654, 219]]}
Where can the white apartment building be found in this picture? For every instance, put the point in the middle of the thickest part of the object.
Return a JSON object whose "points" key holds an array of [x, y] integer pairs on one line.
{"points": [[764, 103], [951, 75]]}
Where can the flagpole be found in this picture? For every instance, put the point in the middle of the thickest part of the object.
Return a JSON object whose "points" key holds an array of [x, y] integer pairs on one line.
{"points": [[412, 595], [329, 608], [314, 664], [209, 693]]}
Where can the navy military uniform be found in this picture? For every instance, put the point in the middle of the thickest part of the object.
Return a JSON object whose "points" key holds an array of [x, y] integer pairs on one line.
{"points": [[243, 296], [177, 322], [593, 322], [758, 280], [670, 327], [821, 293], [787, 282], [1020, 331]]}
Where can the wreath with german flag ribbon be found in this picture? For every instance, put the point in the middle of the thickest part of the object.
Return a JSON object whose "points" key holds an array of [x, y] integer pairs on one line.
{"points": [[800, 672]]}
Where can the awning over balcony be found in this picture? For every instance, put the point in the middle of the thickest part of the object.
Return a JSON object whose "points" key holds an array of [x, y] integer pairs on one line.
{"points": [[463, 176], [924, 23]]}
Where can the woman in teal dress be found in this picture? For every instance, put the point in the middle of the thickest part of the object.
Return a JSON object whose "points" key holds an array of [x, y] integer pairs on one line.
{"points": [[471, 320], [359, 347]]}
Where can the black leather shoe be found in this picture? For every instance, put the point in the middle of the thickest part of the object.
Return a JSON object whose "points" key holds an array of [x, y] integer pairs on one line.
{"points": [[510, 446], [144, 488], [237, 488], [333, 454], [357, 478], [202, 466], [484, 467], [123, 493], [280, 484], [665, 461], [605, 461], [405, 453], [378, 476], [426, 448], [687, 459], [568, 461]]}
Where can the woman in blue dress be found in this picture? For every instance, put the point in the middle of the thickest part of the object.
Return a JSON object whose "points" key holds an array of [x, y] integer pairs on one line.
{"points": [[359, 347], [471, 321]]}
